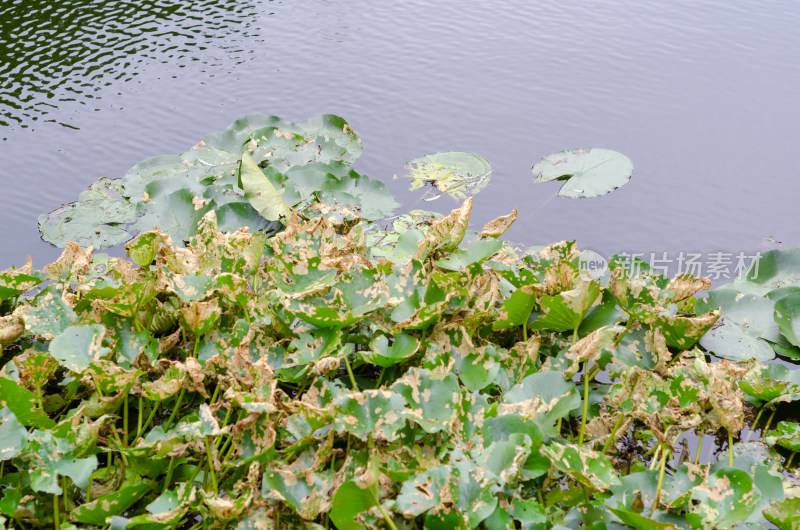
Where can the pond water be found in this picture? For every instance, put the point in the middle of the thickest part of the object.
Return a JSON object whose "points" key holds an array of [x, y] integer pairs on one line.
{"points": [[701, 95]]}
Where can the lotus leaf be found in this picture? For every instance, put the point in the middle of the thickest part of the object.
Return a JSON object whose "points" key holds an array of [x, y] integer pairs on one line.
{"points": [[456, 173], [588, 172]]}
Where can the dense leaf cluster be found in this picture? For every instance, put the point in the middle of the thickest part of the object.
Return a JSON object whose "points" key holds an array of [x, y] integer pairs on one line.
{"points": [[348, 374]]}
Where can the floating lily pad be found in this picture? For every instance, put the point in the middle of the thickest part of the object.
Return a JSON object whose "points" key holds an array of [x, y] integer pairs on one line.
{"points": [[455, 173], [588, 172]]}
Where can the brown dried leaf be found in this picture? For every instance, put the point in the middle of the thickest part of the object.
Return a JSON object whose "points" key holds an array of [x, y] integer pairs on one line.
{"points": [[497, 227], [686, 285]]}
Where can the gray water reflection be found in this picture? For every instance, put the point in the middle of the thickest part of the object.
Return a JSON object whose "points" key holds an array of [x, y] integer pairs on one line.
{"points": [[701, 95], [55, 54]]}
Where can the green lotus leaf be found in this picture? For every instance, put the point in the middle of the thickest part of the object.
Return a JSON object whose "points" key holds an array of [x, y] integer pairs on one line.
{"points": [[478, 369], [51, 459], [455, 173], [588, 172], [683, 332], [772, 270], [731, 341], [728, 496], [425, 490], [98, 510], [261, 193], [336, 184], [176, 214], [142, 250], [78, 346], [474, 253], [783, 513], [787, 316], [433, 399], [23, 404], [516, 309], [14, 282], [605, 313], [543, 397], [769, 382], [590, 468], [13, 436], [283, 144], [50, 316], [752, 313], [384, 354], [97, 220], [475, 498], [565, 311], [349, 501], [305, 492], [787, 435], [505, 459], [234, 215], [370, 413]]}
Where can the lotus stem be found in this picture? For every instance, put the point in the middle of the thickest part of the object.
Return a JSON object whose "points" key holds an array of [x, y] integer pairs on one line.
{"points": [[730, 448], [211, 464], [699, 448], [789, 461], [56, 518], [385, 515], [753, 425], [168, 478], [585, 398], [769, 422], [350, 373], [617, 425], [625, 331], [125, 422], [175, 409], [656, 454], [660, 482], [525, 331]]}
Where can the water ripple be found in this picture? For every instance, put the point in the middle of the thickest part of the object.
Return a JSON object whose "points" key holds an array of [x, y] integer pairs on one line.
{"points": [[67, 52]]}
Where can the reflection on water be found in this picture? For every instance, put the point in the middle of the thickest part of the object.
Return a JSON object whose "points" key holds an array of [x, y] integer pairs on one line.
{"points": [[54, 54]]}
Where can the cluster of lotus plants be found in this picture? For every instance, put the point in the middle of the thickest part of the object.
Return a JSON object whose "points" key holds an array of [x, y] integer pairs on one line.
{"points": [[295, 360]]}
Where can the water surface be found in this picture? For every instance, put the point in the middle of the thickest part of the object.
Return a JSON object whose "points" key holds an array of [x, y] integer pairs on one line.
{"points": [[700, 95]]}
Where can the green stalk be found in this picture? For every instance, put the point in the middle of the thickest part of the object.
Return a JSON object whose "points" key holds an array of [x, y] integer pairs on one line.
{"points": [[139, 416], [655, 457], [386, 517], [175, 409], [753, 425], [660, 482], [789, 462], [125, 422], [585, 398], [525, 331], [147, 423], [617, 425], [56, 518], [211, 464], [699, 447], [168, 478], [218, 443], [625, 331], [769, 422], [730, 448], [350, 373]]}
